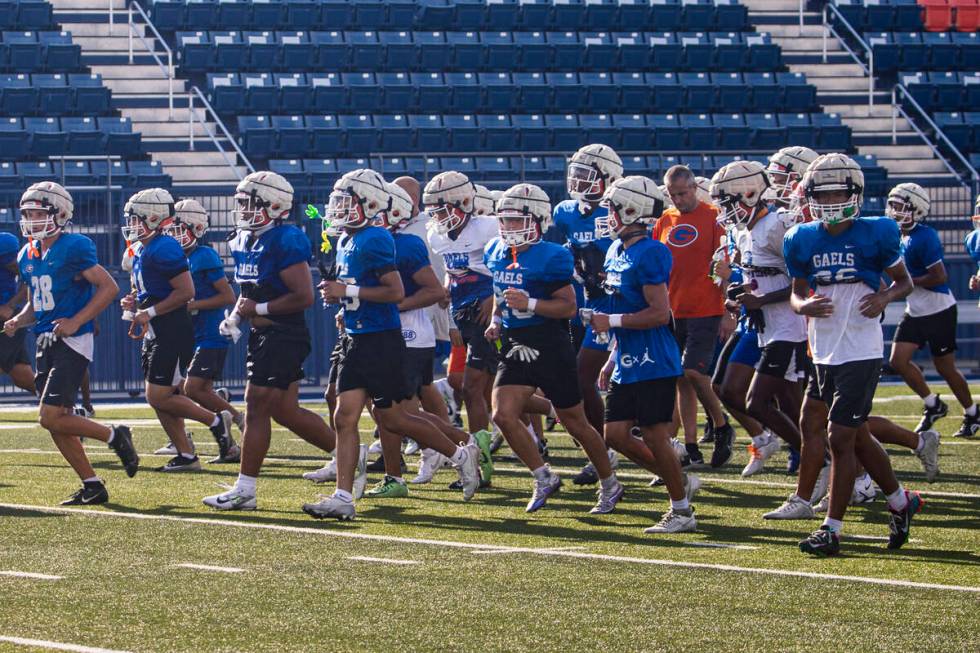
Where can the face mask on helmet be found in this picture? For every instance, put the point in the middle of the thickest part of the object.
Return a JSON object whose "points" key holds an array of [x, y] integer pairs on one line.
{"points": [[782, 184], [518, 229], [181, 233], [445, 217], [830, 212], [37, 222], [901, 212], [250, 213], [612, 224], [345, 210], [732, 212], [135, 228], [584, 182], [976, 216]]}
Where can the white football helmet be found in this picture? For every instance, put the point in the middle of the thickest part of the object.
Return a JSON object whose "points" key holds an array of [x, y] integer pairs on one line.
{"points": [[449, 199], [704, 189], [907, 204], [54, 200], [147, 212], [190, 223], [590, 172], [483, 201], [357, 199], [263, 197], [531, 205], [737, 190], [629, 200], [786, 168], [400, 209], [830, 172], [976, 214]]}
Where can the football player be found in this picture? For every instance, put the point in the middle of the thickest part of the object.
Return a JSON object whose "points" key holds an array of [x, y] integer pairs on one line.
{"points": [[68, 289], [162, 288], [272, 269], [930, 311], [533, 299], [370, 288], [842, 257], [13, 293]]}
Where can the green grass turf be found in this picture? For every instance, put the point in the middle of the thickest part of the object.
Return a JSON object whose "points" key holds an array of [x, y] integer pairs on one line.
{"points": [[300, 591]]}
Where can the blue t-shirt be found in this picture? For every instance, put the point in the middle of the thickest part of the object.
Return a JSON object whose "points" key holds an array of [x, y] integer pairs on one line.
{"points": [[921, 249], [641, 354], [206, 269], [9, 246], [972, 245], [541, 269], [860, 254], [155, 264], [411, 255], [363, 257], [55, 279], [259, 260], [579, 232]]}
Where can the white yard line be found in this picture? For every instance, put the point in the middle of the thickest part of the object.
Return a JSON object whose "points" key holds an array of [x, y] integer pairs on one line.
{"points": [[56, 646], [562, 553], [28, 574], [388, 561], [226, 570], [721, 545]]}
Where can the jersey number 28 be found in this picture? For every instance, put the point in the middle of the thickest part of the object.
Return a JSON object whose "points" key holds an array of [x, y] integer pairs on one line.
{"points": [[43, 300]]}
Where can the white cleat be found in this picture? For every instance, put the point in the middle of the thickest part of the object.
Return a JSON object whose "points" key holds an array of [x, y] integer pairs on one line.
{"points": [[675, 522], [233, 499], [412, 448], [823, 505], [607, 501], [759, 455], [239, 420], [822, 487], [326, 474], [679, 448], [375, 447], [469, 471], [864, 490], [430, 462], [330, 508], [793, 508], [360, 473], [691, 486], [928, 454], [171, 450], [613, 459]]}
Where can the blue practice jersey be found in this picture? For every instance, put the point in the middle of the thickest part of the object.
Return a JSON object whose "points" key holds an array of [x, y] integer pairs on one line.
{"points": [[9, 246], [972, 245], [641, 354], [411, 255], [579, 232], [157, 262], [260, 258], [55, 279], [921, 250], [363, 257], [206, 269], [541, 269]]}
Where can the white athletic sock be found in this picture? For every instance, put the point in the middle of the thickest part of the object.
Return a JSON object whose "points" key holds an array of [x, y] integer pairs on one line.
{"points": [[534, 436], [683, 504], [609, 482], [188, 456], [918, 446], [930, 400], [797, 496], [343, 495], [971, 411], [398, 479], [897, 500], [246, 484], [93, 479], [112, 435], [459, 456], [835, 525], [217, 420], [542, 473]]}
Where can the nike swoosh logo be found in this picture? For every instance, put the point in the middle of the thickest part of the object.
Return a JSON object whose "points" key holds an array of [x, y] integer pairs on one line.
{"points": [[856, 416], [205, 369], [84, 500]]}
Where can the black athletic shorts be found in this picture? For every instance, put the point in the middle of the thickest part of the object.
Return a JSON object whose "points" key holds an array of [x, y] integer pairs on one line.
{"points": [[721, 365], [335, 356], [645, 403], [553, 368], [276, 354], [577, 332], [784, 360], [167, 355], [697, 338], [208, 363], [938, 330], [418, 369], [848, 388], [12, 350], [60, 370], [375, 362], [481, 354]]}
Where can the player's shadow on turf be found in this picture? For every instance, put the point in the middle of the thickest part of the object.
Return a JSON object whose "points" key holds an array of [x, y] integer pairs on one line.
{"points": [[32, 514]]}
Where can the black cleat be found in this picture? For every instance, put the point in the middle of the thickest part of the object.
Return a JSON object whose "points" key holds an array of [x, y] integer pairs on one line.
{"points": [[709, 431], [900, 523], [224, 393], [543, 450], [695, 459], [90, 494], [724, 436], [969, 427], [122, 444], [932, 415], [181, 464], [822, 542], [379, 465], [588, 476]]}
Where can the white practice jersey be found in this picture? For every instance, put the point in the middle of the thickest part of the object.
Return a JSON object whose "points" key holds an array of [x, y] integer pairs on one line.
{"points": [[469, 277], [438, 316]]}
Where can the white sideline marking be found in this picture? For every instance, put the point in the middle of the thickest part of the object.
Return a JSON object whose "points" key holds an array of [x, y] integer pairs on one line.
{"points": [[873, 538], [28, 574], [227, 570], [325, 532], [57, 646], [505, 550], [722, 545], [390, 561]]}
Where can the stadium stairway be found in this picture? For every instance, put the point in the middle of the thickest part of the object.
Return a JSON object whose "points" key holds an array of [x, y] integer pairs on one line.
{"points": [[140, 92]]}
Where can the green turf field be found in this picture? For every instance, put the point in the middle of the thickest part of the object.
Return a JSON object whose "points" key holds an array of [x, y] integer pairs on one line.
{"points": [[478, 576]]}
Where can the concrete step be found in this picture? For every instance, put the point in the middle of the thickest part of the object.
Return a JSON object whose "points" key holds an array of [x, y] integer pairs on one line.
{"points": [[815, 70], [766, 18], [912, 166], [895, 151], [876, 124], [795, 43], [771, 5], [75, 5], [135, 71], [155, 114], [120, 28], [836, 83], [210, 174], [879, 110], [792, 59], [191, 158], [144, 86], [779, 31], [115, 44], [172, 130]]}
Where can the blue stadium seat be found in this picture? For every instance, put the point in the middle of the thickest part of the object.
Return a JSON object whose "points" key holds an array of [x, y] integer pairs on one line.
{"points": [[943, 52], [195, 51], [699, 15], [600, 50], [23, 51], [433, 52], [422, 167], [120, 138], [364, 91], [202, 13], [766, 94], [733, 93], [393, 166], [667, 53], [635, 165], [832, 134], [9, 180], [968, 44], [887, 52], [599, 128], [495, 168], [256, 135], [633, 130], [533, 49], [322, 171], [366, 53], [35, 171], [472, 15], [291, 169], [370, 14], [763, 53], [667, 95], [332, 52], [500, 93], [530, 133], [295, 93], [436, 14], [667, 15], [464, 132], [308, 12], [667, 132], [295, 50], [361, 134], [433, 92], [75, 173], [535, 95], [535, 14], [54, 96], [230, 51], [328, 92], [601, 14], [293, 137], [556, 167], [84, 137], [168, 15], [913, 54], [730, 51], [261, 94], [634, 91], [566, 134], [533, 167], [700, 92], [113, 172], [701, 133], [797, 94], [401, 13], [17, 95], [972, 118], [699, 53], [464, 164], [971, 89], [634, 53], [733, 133], [467, 94], [566, 90], [949, 90], [34, 14], [148, 174], [235, 14], [766, 131], [501, 52], [396, 135], [731, 15], [799, 129], [956, 130], [430, 135], [226, 92], [13, 138], [566, 50], [267, 14], [568, 15], [47, 136], [498, 134], [398, 92], [59, 53], [602, 95], [399, 51]]}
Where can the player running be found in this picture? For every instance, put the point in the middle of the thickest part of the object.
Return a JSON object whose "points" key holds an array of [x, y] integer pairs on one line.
{"points": [[840, 256], [13, 293], [68, 289], [272, 269]]}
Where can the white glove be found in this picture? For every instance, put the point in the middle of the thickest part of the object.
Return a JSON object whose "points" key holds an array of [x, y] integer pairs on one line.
{"points": [[229, 326], [46, 339], [523, 353], [128, 316]]}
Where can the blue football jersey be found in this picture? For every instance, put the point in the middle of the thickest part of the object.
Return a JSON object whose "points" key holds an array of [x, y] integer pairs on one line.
{"points": [[155, 264], [641, 354], [579, 232], [972, 245], [259, 259], [9, 246], [921, 250], [206, 268], [541, 269], [363, 257], [55, 279], [411, 255]]}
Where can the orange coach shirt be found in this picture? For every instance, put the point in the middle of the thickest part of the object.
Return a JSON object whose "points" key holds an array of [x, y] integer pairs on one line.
{"points": [[692, 239]]}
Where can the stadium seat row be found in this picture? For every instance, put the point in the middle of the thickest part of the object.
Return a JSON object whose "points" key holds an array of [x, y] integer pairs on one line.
{"points": [[38, 51], [943, 15], [924, 51], [54, 94], [25, 14], [128, 174], [51, 136], [474, 51], [231, 93], [947, 91], [963, 129], [299, 136], [451, 15], [884, 15]]}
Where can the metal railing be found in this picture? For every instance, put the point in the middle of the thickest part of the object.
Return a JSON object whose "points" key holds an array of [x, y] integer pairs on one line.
{"points": [[168, 69], [195, 91], [869, 68]]}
